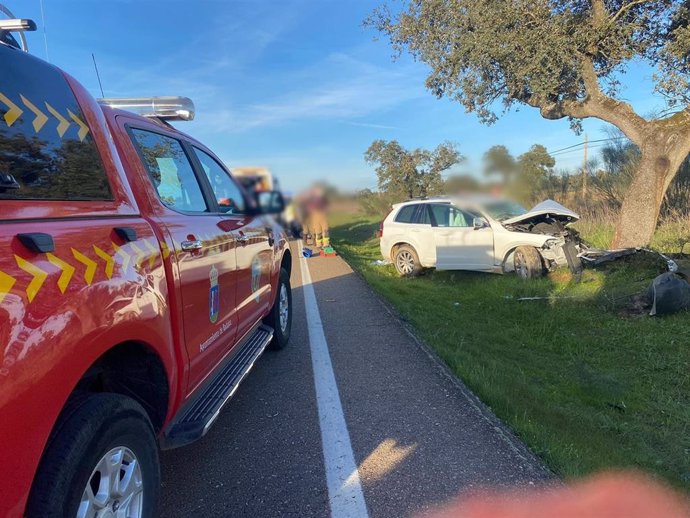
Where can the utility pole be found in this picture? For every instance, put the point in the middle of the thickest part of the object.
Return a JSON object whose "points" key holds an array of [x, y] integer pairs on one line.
{"points": [[585, 172]]}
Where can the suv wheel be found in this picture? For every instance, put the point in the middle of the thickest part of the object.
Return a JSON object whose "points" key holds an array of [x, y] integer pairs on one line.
{"points": [[102, 460], [527, 262], [406, 261], [280, 317]]}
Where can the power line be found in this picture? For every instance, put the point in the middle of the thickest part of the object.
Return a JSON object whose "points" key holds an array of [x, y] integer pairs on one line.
{"points": [[591, 141], [577, 150]]}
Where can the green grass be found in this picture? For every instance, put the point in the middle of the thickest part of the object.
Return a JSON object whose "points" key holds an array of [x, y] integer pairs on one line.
{"points": [[585, 378]]}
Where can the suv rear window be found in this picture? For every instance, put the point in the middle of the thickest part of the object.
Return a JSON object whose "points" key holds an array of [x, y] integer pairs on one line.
{"points": [[47, 151], [406, 214], [417, 213]]}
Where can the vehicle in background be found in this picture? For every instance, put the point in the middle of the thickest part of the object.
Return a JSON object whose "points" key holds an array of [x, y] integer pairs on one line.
{"points": [[479, 234], [255, 179], [140, 282]]}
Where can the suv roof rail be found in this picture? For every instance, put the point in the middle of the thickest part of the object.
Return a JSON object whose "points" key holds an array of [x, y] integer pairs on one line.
{"points": [[12, 24], [163, 108]]}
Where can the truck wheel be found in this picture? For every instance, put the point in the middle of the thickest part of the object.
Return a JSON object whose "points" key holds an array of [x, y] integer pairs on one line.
{"points": [[406, 261], [102, 460], [280, 318], [527, 262]]}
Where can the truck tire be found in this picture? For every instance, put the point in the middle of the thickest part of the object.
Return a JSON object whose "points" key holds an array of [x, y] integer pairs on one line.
{"points": [[98, 436], [527, 262], [406, 261], [280, 317]]}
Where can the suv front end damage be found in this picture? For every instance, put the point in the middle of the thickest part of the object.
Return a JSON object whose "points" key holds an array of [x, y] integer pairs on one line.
{"points": [[552, 219]]}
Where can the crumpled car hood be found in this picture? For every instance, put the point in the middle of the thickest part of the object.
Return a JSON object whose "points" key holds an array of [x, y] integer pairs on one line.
{"points": [[550, 207]]}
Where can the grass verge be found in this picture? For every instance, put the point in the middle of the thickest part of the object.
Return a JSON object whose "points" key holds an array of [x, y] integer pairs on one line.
{"points": [[584, 377]]}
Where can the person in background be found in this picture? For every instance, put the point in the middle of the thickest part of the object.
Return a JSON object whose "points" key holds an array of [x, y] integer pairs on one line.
{"points": [[316, 205], [313, 208]]}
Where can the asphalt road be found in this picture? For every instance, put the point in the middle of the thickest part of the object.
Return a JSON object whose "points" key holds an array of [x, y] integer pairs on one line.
{"points": [[354, 418]]}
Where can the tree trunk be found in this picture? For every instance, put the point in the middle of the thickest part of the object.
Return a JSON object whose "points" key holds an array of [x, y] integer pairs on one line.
{"points": [[659, 162]]}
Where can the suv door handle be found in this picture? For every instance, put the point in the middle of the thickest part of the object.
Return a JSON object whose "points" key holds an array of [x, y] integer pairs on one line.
{"points": [[192, 245], [242, 238]]}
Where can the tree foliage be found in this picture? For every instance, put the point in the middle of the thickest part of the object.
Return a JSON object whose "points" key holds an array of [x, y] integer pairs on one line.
{"points": [[565, 58], [498, 162], [410, 173]]}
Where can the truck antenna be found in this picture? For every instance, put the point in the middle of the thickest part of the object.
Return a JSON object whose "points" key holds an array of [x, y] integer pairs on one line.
{"points": [[97, 74], [45, 31]]}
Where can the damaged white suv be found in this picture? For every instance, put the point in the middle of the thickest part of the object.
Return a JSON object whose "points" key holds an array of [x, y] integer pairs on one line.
{"points": [[480, 234]]}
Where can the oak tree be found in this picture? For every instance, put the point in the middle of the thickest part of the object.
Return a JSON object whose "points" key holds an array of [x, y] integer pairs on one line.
{"points": [[411, 173], [565, 58]]}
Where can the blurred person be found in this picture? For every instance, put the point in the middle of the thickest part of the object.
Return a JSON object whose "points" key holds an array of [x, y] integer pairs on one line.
{"points": [[314, 206]]}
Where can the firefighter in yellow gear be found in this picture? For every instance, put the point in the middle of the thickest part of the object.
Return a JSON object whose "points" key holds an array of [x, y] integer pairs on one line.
{"points": [[315, 221]]}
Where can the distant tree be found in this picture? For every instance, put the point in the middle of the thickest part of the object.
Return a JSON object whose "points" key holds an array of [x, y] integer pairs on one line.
{"points": [[459, 183], [565, 58], [411, 173], [498, 162], [535, 168]]}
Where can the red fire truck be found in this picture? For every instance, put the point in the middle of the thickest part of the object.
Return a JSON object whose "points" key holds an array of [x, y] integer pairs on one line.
{"points": [[139, 283]]}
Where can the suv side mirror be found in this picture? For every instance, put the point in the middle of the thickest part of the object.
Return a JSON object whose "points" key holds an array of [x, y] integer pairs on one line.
{"points": [[479, 223], [270, 202]]}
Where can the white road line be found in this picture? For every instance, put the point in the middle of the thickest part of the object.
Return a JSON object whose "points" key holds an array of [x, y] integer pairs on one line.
{"points": [[344, 487]]}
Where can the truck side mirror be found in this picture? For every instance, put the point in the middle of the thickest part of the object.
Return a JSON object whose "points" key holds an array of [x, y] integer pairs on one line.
{"points": [[270, 202], [479, 223]]}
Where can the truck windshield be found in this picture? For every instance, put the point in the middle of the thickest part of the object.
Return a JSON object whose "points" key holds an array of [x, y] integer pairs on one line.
{"points": [[505, 209]]}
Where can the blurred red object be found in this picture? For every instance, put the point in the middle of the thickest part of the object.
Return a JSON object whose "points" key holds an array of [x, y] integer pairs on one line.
{"points": [[603, 496]]}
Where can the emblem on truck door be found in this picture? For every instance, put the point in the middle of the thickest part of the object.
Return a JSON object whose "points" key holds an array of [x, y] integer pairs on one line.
{"points": [[256, 278], [213, 296]]}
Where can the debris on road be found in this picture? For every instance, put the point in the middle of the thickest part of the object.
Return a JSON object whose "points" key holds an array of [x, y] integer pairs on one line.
{"points": [[595, 257]]}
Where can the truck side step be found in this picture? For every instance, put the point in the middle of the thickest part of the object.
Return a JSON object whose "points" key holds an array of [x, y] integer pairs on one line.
{"points": [[193, 422]]}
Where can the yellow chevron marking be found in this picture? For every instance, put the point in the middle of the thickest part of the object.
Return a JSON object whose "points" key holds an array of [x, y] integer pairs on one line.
{"points": [[166, 250], [90, 265], [67, 271], [83, 128], [153, 250], [139, 253], [14, 111], [39, 276], [6, 283], [124, 255], [41, 118], [109, 261], [63, 125]]}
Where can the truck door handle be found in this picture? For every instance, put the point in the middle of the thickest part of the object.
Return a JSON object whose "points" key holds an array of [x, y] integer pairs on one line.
{"points": [[192, 245], [242, 239], [37, 242]]}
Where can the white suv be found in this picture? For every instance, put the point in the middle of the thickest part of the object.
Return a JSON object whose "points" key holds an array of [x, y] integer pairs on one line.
{"points": [[480, 234]]}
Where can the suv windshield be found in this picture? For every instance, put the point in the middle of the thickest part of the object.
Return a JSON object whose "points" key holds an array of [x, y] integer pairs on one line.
{"points": [[501, 210]]}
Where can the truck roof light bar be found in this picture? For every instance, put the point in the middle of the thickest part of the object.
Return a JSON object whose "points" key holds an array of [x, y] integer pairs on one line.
{"points": [[164, 108], [18, 25]]}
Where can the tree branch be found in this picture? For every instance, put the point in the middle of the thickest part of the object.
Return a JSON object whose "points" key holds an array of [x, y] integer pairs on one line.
{"points": [[599, 13], [597, 104], [623, 9]]}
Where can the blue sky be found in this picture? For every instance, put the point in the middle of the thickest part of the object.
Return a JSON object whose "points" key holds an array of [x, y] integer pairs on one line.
{"points": [[296, 85]]}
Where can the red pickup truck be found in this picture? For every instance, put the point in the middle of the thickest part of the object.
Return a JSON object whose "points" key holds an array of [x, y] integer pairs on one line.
{"points": [[139, 283]]}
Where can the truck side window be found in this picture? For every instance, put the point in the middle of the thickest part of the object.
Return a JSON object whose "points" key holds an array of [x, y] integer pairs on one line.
{"points": [[227, 193], [170, 171], [47, 150]]}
